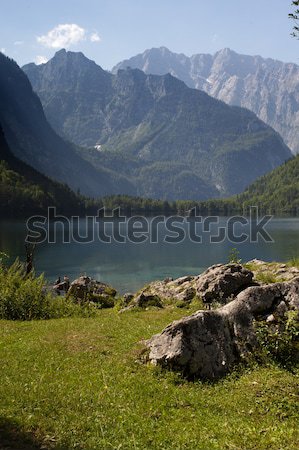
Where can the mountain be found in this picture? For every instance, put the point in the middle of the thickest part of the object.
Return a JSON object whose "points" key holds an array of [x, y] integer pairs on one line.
{"points": [[267, 87], [32, 139], [24, 191], [277, 191], [170, 141]]}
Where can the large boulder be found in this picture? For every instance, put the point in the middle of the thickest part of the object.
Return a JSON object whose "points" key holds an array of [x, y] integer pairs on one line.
{"points": [[222, 281], [209, 343]]}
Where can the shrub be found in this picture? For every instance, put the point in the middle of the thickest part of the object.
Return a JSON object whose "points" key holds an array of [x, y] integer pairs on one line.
{"points": [[101, 300], [181, 304], [280, 341], [25, 297]]}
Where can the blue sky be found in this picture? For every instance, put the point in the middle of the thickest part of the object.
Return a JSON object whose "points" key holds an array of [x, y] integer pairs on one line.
{"points": [[110, 31]]}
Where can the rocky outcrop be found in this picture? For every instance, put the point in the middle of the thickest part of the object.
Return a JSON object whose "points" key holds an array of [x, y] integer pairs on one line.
{"points": [[209, 343], [218, 283]]}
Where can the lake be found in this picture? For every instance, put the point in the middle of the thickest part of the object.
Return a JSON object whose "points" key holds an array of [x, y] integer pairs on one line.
{"points": [[128, 266]]}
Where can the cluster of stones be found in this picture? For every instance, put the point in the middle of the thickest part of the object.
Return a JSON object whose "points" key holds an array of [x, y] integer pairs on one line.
{"points": [[209, 343]]}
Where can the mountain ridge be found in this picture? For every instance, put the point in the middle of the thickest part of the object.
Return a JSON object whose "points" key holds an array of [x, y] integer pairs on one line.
{"points": [[32, 139], [148, 125], [266, 86]]}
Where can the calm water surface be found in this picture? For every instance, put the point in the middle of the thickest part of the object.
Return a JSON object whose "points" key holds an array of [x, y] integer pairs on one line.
{"points": [[129, 266]]}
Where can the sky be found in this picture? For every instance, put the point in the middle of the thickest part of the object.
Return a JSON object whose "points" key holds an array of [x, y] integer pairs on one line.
{"points": [[110, 31]]}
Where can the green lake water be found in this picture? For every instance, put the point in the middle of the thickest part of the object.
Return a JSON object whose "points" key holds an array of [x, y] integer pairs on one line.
{"points": [[128, 266]]}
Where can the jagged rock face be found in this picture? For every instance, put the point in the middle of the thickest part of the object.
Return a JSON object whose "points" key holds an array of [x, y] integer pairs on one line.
{"points": [[209, 343], [267, 87], [31, 138]]}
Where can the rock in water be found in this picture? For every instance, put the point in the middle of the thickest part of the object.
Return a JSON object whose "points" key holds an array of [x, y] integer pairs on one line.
{"points": [[209, 343]]}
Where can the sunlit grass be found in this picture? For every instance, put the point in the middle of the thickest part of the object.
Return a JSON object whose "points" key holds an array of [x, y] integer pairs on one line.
{"points": [[78, 384]]}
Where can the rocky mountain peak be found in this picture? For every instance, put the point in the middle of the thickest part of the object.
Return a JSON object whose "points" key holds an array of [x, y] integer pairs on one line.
{"points": [[268, 87]]}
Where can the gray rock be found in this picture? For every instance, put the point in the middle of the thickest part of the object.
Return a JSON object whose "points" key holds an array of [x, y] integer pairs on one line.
{"points": [[187, 295], [209, 343], [218, 283], [85, 285], [221, 281], [281, 309]]}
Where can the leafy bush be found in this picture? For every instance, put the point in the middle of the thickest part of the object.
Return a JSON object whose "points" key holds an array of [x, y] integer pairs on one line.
{"points": [[181, 304], [25, 297], [280, 341], [102, 301]]}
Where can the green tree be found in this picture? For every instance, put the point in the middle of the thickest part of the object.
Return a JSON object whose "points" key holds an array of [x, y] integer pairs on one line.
{"points": [[295, 16]]}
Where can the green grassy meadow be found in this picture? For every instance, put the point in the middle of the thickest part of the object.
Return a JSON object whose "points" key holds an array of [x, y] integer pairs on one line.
{"points": [[77, 383]]}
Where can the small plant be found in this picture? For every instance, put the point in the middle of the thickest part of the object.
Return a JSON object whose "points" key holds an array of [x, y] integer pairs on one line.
{"points": [[3, 256], [294, 262], [234, 256], [280, 341]]}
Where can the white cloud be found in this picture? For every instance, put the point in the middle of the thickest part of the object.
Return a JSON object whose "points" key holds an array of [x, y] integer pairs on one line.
{"points": [[62, 36], [39, 59], [95, 37], [2, 50], [18, 43]]}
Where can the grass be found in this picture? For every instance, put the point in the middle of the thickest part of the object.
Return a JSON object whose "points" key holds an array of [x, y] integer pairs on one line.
{"points": [[74, 383], [294, 262], [267, 278]]}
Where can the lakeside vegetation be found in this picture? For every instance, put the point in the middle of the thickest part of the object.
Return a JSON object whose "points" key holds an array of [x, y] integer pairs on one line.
{"points": [[26, 297]]}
